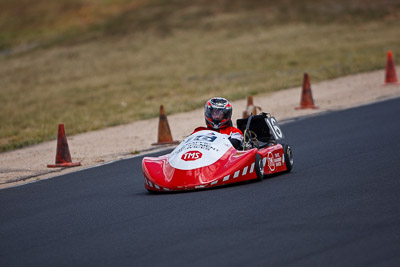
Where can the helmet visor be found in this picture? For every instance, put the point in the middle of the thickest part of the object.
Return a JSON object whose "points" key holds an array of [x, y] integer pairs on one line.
{"points": [[217, 115]]}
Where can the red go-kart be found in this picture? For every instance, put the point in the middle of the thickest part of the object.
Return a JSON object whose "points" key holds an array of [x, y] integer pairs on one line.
{"points": [[207, 159]]}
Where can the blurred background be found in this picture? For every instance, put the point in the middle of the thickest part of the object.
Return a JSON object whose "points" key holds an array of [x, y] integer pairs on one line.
{"points": [[92, 64]]}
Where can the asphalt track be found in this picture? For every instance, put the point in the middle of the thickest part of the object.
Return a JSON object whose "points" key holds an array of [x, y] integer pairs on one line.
{"points": [[340, 206]]}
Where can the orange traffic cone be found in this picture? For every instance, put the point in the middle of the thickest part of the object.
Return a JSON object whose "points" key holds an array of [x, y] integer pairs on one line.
{"points": [[63, 157], [251, 108], [164, 132], [306, 95], [390, 77]]}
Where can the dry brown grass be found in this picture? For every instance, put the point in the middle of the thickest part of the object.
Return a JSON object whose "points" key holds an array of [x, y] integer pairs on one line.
{"points": [[124, 68]]}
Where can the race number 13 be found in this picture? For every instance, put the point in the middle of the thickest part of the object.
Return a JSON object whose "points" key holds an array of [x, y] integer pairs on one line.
{"points": [[274, 127]]}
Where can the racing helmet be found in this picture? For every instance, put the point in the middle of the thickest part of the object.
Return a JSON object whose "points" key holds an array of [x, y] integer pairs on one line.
{"points": [[218, 113]]}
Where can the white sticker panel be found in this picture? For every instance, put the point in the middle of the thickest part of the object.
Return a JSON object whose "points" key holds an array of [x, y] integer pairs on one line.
{"points": [[199, 150]]}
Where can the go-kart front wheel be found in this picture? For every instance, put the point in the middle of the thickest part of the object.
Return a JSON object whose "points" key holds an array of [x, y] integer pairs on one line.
{"points": [[259, 166]]}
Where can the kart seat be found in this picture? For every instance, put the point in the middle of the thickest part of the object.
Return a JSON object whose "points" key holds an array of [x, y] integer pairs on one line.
{"points": [[266, 144], [259, 126]]}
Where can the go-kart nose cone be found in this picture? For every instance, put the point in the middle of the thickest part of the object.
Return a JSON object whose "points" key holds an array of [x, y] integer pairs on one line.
{"points": [[199, 150]]}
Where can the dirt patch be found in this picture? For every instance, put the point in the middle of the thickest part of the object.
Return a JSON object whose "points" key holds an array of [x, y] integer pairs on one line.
{"points": [[125, 141]]}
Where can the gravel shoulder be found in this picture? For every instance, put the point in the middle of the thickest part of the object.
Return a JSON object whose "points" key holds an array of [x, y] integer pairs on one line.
{"points": [[104, 146]]}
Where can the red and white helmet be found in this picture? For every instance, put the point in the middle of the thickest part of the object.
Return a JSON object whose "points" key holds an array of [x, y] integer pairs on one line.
{"points": [[218, 113]]}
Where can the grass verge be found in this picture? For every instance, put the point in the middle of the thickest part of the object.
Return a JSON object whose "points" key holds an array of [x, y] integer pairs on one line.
{"points": [[122, 67]]}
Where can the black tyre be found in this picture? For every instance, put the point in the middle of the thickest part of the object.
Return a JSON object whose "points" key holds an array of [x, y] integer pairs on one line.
{"points": [[288, 155], [259, 166]]}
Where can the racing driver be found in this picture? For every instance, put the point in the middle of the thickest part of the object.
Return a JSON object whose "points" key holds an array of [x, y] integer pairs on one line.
{"points": [[218, 113]]}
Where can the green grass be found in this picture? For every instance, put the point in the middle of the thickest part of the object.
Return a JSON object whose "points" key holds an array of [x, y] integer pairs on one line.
{"points": [[122, 64]]}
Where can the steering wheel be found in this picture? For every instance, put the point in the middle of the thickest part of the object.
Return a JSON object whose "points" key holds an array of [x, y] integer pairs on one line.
{"points": [[250, 139]]}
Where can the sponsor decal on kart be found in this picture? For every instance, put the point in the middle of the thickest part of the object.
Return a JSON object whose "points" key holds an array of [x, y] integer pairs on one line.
{"points": [[271, 162], [192, 155], [278, 160], [199, 150]]}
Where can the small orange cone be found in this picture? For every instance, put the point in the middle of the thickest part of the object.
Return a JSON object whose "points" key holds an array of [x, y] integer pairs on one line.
{"points": [[390, 77], [306, 95], [164, 132], [63, 157], [251, 108]]}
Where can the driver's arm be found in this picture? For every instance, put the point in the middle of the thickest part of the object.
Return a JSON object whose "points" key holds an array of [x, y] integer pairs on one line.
{"points": [[236, 143], [236, 140]]}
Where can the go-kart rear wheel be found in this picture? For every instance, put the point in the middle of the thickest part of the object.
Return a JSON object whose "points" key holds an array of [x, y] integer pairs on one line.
{"points": [[259, 166], [288, 155]]}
